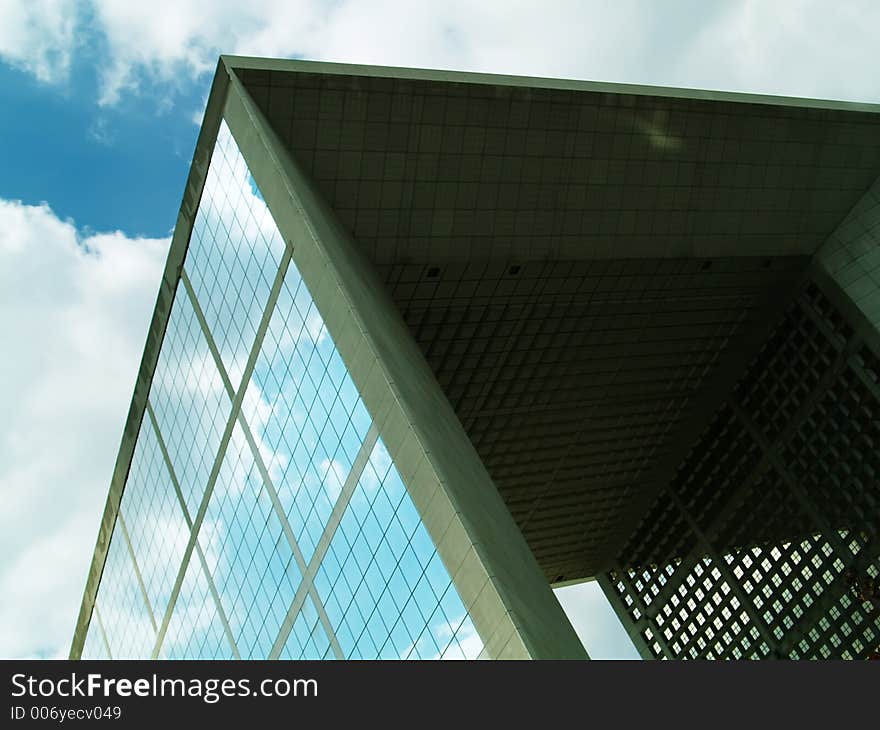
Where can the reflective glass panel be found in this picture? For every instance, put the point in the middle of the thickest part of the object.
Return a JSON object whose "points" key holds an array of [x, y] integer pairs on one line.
{"points": [[263, 514]]}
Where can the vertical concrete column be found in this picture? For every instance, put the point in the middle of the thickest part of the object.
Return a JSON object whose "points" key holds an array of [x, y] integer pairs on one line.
{"points": [[499, 581]]}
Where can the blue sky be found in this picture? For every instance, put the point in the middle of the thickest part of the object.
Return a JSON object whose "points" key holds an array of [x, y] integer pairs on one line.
{"points": [[99, 102], [121, 167]]}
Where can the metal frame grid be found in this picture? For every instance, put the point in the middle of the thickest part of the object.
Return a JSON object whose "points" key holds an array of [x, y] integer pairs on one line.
{"points": [[759, 545], [283, 498]]}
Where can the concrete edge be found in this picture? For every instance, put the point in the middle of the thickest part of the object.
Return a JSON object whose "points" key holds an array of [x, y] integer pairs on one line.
{"points": [[470, 77]]}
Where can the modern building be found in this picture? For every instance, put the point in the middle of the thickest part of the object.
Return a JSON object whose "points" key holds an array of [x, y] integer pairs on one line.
{"points": [[428, 344]]}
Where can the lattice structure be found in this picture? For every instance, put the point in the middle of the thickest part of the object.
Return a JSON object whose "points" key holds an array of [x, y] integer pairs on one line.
{"points": [[767, 541]]}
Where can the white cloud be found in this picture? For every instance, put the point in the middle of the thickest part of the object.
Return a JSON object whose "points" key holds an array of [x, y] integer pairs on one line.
{"points": [[169, 41], [258, 412], [41, 597], [794, 48], [333, 475], [812, 48], [165, 39], [75, 321], [594, 621], [467, 644], [39, 35]]}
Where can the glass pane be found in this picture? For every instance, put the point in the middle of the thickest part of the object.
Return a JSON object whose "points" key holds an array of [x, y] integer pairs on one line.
{"points": [[309, 545]]}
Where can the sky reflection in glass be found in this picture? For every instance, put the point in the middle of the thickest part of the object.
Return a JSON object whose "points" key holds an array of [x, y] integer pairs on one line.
{"points": [[309, 545]]}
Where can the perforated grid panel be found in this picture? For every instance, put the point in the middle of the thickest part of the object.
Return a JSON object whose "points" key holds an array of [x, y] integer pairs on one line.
{"points": [[763, 543]]}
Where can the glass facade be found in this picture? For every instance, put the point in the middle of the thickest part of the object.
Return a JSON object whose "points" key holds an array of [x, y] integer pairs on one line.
{"points": [[262, 515]]}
